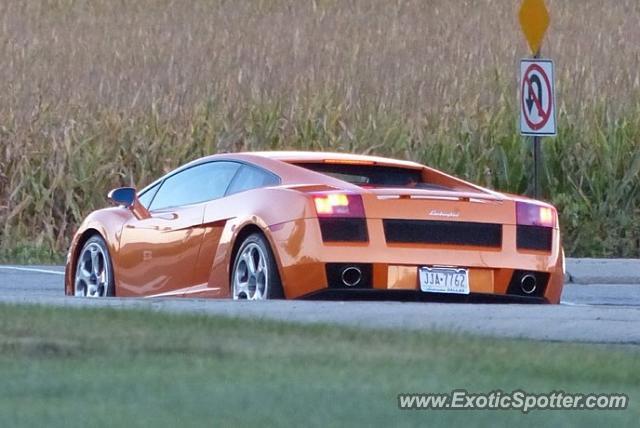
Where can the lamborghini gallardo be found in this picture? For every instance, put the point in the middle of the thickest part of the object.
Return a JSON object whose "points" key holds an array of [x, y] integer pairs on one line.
{"points": [[276, 225]]}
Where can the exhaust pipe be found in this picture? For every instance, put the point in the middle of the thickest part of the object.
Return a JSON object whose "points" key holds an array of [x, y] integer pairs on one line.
{"points": [[528, 284], [351, 276]]}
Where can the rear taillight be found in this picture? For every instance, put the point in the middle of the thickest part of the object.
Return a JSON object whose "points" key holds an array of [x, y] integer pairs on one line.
{"points": [[338, 205], [528, 214]]}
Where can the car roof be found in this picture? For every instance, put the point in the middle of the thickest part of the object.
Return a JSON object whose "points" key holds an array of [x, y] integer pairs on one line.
{"points": [[306, 157], [282, 162]]}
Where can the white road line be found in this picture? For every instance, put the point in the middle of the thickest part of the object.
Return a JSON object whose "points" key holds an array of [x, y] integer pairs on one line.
{"points": [[54, 272], [570, 303]]}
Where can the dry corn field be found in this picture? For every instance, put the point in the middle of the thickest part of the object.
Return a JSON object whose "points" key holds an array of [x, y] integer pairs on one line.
{"points": [[101, 93]]}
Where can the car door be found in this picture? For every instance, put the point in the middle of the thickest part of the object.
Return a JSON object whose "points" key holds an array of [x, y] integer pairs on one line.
{"points": [[211, 264], [158, 254]]}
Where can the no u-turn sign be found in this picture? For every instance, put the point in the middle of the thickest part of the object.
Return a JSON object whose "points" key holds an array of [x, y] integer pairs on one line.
{"points": [[537, 97]]}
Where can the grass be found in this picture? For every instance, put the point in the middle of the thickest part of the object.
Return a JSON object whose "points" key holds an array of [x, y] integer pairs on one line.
{"points": [[30, 255], [97, 94], [103, 367]]}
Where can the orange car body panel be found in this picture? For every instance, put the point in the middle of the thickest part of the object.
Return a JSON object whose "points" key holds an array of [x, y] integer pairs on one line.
{"points": [[187, 251]]}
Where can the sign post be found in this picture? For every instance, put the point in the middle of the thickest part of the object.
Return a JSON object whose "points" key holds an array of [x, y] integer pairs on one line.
{"points": [[537, 91]]}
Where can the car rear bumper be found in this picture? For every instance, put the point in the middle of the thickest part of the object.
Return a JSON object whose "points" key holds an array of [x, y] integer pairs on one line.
{"points": [[303, 258]]}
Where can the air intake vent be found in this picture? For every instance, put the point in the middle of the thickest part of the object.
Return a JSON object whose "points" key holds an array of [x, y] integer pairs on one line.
{"points": [[443, 232], [344, 229], [534, 238]]}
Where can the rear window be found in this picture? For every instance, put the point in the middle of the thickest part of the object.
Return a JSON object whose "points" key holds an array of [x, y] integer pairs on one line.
{"points": [[373, 175]]}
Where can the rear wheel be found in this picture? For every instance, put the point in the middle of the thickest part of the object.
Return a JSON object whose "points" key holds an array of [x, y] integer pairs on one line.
{"points": [[255, 273], [94, 272]]}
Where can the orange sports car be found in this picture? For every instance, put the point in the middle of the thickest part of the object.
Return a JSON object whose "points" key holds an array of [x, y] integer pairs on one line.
{"points": [[317, 225]]}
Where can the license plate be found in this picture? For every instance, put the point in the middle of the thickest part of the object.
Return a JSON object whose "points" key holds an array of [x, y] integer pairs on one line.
{"points": [[444, 280]]}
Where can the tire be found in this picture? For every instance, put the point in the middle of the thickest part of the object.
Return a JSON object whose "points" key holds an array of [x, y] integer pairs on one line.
{"points": [[255, 273], [94, 270]]}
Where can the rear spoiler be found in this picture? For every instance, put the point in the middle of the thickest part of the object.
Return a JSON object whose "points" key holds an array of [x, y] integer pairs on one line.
{"points": [[436, 194]]}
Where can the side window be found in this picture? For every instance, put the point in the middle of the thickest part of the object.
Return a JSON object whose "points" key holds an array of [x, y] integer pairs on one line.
{"points": [[197, 184], [147, 196], [250, 177]]}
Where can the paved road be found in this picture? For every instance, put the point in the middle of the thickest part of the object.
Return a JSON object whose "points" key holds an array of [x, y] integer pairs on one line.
{"points": [[608, 313]]}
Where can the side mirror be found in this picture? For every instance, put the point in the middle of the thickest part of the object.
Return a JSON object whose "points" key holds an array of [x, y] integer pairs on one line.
{"points": [[125, 196]]}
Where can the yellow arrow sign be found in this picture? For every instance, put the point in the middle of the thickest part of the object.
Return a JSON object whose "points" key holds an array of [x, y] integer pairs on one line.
{"points": [[534, 20]]}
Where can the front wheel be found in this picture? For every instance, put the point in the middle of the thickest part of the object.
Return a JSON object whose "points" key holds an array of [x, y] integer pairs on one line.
{"points": [[94, 271], [255, 273]]}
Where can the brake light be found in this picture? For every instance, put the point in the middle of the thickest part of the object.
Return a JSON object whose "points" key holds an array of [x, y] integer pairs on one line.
{"points": [[349, 162], [338, 205], [535, 215], [546, 216]]}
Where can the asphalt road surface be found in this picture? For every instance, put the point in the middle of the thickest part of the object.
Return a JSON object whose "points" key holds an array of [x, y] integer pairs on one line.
{"points": [[607, 313]]}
